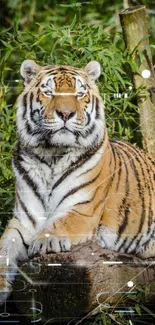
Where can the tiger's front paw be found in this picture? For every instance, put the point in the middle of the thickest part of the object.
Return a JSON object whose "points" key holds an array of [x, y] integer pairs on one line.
{"points": [[51, 244]]}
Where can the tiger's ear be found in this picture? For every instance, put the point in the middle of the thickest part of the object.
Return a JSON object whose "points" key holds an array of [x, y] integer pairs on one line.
{"points": [[28, 70], [93, 69]]}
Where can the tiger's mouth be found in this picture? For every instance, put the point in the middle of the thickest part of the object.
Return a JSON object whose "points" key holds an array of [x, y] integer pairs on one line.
{"points": [[64, 129]]}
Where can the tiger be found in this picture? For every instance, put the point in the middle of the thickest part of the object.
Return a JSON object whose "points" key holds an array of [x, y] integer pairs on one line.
{"points": [[73, 183]]}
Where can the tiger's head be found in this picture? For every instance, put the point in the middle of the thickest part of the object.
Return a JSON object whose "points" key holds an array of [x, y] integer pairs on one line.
{"points": [[60, 106]]}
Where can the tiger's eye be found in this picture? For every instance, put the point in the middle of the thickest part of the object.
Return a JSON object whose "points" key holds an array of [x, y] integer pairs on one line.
{"points": [[81, 94], [49, 93]]}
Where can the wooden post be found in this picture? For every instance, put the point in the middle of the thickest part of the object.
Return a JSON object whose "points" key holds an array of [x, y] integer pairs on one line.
{"points": [[135, 29]]}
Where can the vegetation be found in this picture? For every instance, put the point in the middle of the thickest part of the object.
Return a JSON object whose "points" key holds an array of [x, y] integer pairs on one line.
{"points": [[132, 309], [66, 32]]}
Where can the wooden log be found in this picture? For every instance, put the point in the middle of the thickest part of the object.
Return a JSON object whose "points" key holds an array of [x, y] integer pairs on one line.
{"points": [[135, 29], [72, 284]]}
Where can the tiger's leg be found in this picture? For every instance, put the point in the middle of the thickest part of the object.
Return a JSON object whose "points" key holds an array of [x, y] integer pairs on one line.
{"points": [[59, 235], [106, 238], [147, 250], [13, 248]]}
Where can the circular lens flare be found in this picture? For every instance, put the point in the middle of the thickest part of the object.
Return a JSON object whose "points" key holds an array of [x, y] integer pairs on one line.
{"points": [[130, 284], [146, 73]]}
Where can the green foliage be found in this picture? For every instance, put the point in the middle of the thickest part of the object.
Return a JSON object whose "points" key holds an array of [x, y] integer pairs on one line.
{"points": [[134, 309], [7, 138], [72, 32]]}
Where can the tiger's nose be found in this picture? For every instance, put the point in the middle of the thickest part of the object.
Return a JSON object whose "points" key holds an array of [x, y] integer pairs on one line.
{"points": [[65, 115]]}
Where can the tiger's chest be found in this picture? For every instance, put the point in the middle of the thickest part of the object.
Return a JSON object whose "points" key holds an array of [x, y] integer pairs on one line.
{"points": [[50, 185], [58, 181]]}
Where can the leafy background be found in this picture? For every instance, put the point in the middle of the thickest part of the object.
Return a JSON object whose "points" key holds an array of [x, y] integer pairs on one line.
{"points": [[66, 32]]}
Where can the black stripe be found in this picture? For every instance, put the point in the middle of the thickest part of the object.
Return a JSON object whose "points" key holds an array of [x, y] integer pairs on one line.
{"points": [[32, 111], [93, 100], [88, 131], [96, 206], [122, 244], [26, 210], [151, 160], [17, 162], [90, 169], [131, 242], [97, 114], [81, 214], [38, 100], [125, 220], [141, 193], [119, 154], [146, 242], [137, 242], [140, 153], [31, 100], [77, 164], [24, 105], [76, 189], [88, 118], [40, 159], [111, 155], [150, 237], [27, 125], [37, 84], [87, 99], [140, 189], [28, 128], [25, 245], [84, 202], [55, 72], [114, 156], [92, 198], [124, 206], [36, 117], [132, 164], [147, 183], [36, 131], [88, 201]]}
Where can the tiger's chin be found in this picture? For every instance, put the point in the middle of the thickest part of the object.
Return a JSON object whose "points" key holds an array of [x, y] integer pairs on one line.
{"points": [[63, 138], [62, 141]]}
